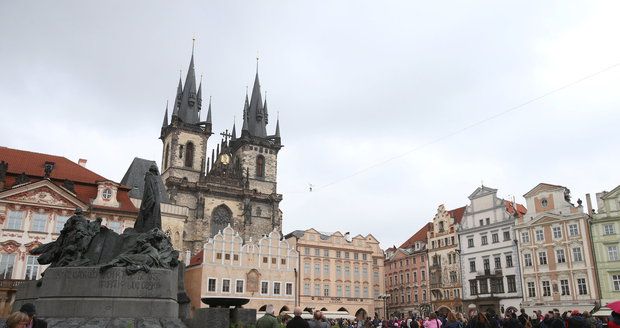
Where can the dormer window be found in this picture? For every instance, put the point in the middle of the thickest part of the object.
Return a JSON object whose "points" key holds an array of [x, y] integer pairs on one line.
{"points": [[106, 194]]}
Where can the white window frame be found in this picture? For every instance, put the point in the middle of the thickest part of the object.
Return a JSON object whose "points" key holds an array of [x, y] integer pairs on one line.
{"points": [[582, 283], [527, 260], [273, 288], [41, 217], [557, 232], [31, 268], [5, 265], [609, 229], [261, 287], [58, 228], [564, 287], [612, 253], [208, 287], [570, 230], [286, 289], [242, 286], [222, 287], [560, 254], [615, 282], [540, 235], [575, 259], [11, 220], [525, 237]]}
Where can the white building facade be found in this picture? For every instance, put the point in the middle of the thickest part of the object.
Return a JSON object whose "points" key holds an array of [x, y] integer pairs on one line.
{"points": [[489, 258]]}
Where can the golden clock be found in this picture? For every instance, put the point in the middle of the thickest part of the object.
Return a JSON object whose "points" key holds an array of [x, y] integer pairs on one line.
{"points": [[225, 159]]}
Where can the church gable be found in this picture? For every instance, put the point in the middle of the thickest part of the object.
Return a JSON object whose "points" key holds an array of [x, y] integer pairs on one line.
{"points": [[482, 191], [42, 193], [541, 187]]}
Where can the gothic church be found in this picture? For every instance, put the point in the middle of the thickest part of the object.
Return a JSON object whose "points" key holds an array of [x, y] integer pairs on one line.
{"points": [[236, 185]]}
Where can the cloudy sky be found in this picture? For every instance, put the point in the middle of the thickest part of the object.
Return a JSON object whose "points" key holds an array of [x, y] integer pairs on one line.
{"points": [[389, 108]]}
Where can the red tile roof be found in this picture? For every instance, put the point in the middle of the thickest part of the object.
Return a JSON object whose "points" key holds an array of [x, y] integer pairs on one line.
{"points": [[85, 180], [510, 208], [421, 235], [196, 259], [457, 214]]}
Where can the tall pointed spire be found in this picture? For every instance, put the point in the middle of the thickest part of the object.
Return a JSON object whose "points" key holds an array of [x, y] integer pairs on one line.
{"points": [[199, 95], [178, 98], [165, 123], [278, 128], [233, 134], [189, 105], [246, 108], [209, 112], [265, 110], [255, 113]]}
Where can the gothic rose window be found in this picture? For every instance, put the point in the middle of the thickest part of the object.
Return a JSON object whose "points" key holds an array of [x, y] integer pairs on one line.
{"points": [[220, 218]]}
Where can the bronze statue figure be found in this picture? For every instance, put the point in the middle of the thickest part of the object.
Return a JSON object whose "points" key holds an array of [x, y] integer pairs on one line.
{"points": [[150, 213]]}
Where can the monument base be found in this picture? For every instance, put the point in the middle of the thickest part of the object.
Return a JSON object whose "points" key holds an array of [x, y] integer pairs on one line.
{"points": [[85, 297]]}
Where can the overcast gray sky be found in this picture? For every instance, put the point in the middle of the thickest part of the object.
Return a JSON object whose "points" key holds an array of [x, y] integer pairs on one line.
{"points": [[355, 82]]}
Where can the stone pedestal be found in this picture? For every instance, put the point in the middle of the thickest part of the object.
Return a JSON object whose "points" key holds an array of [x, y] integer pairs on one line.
{"points": [[84, 297], [211, 318], [245, 317]]}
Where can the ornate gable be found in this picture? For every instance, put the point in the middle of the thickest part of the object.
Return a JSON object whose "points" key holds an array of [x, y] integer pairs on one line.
{"points": [[42, 193], [542, 187], [482, 191]]}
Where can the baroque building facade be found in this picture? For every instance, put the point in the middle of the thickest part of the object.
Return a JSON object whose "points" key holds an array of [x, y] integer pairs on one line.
{"points": [[489, 258], [237, 185], [38, 193], [338, 274], [444, 261], [555, 253], [605, 226], [406, 272], [263, 271]]}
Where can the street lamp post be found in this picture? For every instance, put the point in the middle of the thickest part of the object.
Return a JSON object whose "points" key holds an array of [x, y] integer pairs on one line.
{"points": [[384, 297]]}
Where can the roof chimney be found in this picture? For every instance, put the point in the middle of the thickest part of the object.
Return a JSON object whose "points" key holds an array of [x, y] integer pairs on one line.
{"points": [[82, 162]]}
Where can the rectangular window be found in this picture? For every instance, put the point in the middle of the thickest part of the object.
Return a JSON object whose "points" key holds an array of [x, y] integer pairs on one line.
{"points": [[546, 288], [557, 232], [488, 221], [407, 276], [317, 290], [338, 270], [239, 286], [317, 269], [470, 242], [365, 257], [347, 290], [282, 261], [615, 280], [365, 273], [375, 274], [347, 271], [612, 253], [481, 222], [326, 290], [577, 256], [116, 226], [307, 267], [531, 289], [540, 236], [512, 284], [497, 285], [317, 252], [472, 265], [306, 251], [356, 257], [264, 288], [265, 258], [60, 223], [527, 260], [485, 240], [559, 254], [506, 235], [573, 230], [211, 285], [326, 252], [564, 287], [306, 289], [423, 275], [484, 286], [495, 238], [326, 270], [273, 259], [346, 255], [581, 286], [15, 220], [509, 261], [32, 268], [357, 291], [38, 223], [415, 298], [424, 296], [225, 285], [609, 229], [498, 262], [339, 291], [525, 237], [542, 258], [289, 288], [486, 265], [415, 276], [338, 254], [276, 288]]}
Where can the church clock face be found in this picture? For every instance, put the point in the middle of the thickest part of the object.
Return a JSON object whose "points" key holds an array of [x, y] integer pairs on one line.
{"points": [[225, 159]]}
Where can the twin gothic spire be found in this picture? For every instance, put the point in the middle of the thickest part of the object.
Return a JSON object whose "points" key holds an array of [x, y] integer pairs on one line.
{"points": [[188, 103]]}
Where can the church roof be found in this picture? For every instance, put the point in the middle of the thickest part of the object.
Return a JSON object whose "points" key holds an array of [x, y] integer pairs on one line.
{"points": [[134, 179]]}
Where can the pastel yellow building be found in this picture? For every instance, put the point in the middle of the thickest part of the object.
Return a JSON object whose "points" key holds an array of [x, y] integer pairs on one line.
{"points": [[263, 271], [338, 273]]}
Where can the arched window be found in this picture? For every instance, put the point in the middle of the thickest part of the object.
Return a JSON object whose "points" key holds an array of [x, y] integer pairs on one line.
{"points": [[166, 156], [260, 166], [189, 155], [220, 218]]}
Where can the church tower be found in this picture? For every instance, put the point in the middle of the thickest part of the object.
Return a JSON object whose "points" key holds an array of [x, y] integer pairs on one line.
{"points": [[185, 137], [237, 184]]}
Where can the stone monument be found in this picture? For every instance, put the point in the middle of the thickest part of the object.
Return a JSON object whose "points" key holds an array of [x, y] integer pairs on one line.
{"points": [[98, 278]]}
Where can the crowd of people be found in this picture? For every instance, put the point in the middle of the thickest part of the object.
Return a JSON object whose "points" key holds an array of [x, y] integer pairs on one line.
{"points": [[474, 319]]}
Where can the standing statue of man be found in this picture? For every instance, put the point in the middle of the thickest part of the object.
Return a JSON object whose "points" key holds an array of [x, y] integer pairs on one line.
{"points": [[150, 213]]}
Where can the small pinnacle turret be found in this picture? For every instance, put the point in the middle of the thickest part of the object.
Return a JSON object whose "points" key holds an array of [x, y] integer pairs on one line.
{"points": [[165, 123]]}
